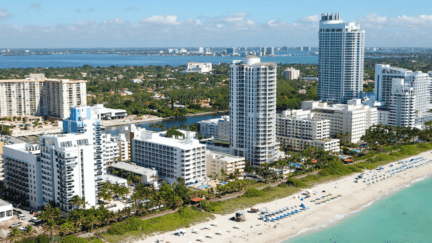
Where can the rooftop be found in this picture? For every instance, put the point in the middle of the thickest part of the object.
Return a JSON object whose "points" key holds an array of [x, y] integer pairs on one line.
{"points": [[159, 138], [4, 203], [223, 156], [134, 168]]}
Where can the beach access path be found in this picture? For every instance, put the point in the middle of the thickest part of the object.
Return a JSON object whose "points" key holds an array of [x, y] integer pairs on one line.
{"points": [[354, 197]]}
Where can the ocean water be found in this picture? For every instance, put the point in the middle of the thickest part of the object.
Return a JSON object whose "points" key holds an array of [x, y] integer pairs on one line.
{"points": [[404, 216], [78, 60]]}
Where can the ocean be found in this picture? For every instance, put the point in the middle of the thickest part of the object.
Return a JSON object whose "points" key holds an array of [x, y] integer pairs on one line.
{"points": [[401, 216], [78, 60]]}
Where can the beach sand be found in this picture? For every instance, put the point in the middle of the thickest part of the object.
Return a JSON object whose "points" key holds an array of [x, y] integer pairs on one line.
{"points": [[354, 197]]}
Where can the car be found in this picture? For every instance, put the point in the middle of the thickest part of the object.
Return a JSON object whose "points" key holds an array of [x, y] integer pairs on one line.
{"points": [[21, 217], [15, 225], [22, 228]]}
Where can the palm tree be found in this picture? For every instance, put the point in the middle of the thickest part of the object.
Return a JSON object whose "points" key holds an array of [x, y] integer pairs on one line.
{"points": [[66, 228], [29, 230], [90, 222], [50, 225], [14, 234]]}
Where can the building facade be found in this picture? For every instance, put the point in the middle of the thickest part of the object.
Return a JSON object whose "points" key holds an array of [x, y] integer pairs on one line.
{"points": [[341, 59], [253, 110], [196, 67], [40, 96], [55, 170], [291, 73], [216, 161], [352, 118], [171, 158], [299, 128], [217, 128], [402, 104]]}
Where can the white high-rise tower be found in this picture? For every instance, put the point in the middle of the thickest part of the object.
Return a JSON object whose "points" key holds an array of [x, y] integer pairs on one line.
{"points": [[341, 59], [253, 110]]}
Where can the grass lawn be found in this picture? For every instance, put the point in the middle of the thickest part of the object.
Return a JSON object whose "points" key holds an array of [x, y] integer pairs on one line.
{"points": [[134, 228], [232, 205]]}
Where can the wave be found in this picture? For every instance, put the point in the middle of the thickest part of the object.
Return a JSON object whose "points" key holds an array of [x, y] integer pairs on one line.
{"points": [[336, 219]]}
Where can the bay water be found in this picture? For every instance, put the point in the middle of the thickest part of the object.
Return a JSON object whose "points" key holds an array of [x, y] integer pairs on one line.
{"points": [[401, 216], [78, 60]]}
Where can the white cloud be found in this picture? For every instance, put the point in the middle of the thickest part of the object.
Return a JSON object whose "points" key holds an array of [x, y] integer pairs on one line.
{"points": [[35, 5], [161, 19], [235, 30], [4, 14], [308, 19]]}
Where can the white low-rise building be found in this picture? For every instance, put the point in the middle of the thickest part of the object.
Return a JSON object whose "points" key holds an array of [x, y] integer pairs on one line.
{"points": [[352, 118], [149, 176], [217, 128], [196, 67], [291, 73], [136, 81], [217, 161], [172, 158], [297, 129], [6, 211], [100, 112]]}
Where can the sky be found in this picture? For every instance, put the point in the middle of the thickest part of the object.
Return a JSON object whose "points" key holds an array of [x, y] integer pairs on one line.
{"points": [[192, 23]]}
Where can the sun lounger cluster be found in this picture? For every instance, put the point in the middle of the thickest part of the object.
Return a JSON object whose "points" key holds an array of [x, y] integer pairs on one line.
{"points": [[208, 227], [326, 198], [396, 168], [285, 212]]}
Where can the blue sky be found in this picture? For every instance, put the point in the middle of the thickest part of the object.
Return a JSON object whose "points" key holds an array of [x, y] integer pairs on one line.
{"points": [[108, 23]]}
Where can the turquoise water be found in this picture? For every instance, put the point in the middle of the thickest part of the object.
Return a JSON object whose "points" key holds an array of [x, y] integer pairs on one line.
{"points": [[384, 221]]}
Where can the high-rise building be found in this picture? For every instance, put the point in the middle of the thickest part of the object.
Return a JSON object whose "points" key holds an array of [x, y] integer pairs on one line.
{"points": [[40, 96], [420, 83], [201, 50], [299, 48], [269, 51], [231, 51], [253, 110], [402, 104], [341, 60], [56, 170]]}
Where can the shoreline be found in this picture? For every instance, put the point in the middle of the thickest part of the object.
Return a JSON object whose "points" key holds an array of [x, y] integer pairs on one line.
{"points": [[355, 197]]}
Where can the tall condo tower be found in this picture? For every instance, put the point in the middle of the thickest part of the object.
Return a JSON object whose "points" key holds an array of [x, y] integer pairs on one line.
{"points": [[341, 59], [253, 110]]}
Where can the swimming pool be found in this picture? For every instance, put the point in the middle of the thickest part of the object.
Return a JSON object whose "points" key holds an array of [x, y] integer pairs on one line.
{"points": [[204, 186]]}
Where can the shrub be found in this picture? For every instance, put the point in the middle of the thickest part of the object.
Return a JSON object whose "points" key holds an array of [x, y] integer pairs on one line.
{"points": [[212, 206], [338, 168], [268, 189], [73, 239], [282, 185], [252, 192], [296, 182]]}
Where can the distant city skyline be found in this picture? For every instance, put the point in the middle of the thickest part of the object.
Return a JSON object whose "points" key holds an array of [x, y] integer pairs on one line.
{"points": [[55, 24]]}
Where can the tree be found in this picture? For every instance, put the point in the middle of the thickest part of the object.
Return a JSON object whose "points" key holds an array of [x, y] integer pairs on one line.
{"points": [[66, 228], [29, 231], [14, 234]]}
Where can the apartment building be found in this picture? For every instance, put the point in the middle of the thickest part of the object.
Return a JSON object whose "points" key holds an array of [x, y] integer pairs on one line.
{"points": [[55, 170], [22, 173], [171, 158], [420, 82], [291, 73], [40, 96], [341, 59], [216, 161], [402, 104], [253, 110], [217, 128], [352, 118], [297, 129], [196, 67], [102, 113]]}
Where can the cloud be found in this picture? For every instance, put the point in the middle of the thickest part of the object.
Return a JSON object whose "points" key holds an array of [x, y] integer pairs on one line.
{"points": [[131, 8], [161, 19], [233, 30], [35, 5], [91, 9], [4, 14]]}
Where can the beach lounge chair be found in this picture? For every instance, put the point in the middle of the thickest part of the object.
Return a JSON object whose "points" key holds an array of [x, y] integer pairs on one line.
{"points": [[272, 219]]}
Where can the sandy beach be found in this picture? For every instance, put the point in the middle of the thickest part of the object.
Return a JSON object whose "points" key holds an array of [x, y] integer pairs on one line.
{"points": [[354, 197]]}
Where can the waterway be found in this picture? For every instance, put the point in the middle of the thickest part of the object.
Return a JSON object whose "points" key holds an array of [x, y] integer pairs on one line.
{"points": [[167, 123], [78, 60]]}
